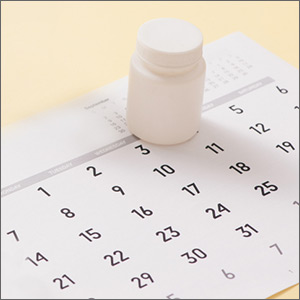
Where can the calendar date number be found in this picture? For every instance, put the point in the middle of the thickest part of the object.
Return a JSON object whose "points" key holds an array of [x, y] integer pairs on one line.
{"points": [[141, 279], [64, 281], [168, 234], [90, 235], [266, 188], [194, 255], [116, 258], [214, 212], [247, 233]]}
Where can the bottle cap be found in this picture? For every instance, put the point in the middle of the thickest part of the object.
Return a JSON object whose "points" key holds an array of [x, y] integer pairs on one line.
{"points": [[169, 42]]}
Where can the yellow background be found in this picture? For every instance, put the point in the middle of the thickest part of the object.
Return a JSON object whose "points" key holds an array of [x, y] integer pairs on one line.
{"points": [[55, 51]]}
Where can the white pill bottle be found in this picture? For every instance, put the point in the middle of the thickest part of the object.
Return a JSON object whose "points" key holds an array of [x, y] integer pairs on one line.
{"points": [[166, 82]]}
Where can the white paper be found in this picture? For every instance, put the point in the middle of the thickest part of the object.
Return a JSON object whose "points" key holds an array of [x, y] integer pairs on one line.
{"points": [[90, 211]]}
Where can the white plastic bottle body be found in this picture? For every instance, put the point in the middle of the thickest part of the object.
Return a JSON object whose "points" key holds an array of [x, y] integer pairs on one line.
{"points": [[174, 94]]}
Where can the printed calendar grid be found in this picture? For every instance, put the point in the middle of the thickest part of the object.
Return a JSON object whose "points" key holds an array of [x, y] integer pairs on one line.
{"points": [[148, 222], [122, 142]]}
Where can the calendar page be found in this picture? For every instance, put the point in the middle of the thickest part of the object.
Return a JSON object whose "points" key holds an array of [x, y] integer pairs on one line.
{"points": [[90, 211]]}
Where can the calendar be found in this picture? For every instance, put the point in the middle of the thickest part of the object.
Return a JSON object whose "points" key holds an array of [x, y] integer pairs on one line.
{"points": [[90, 211]]}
